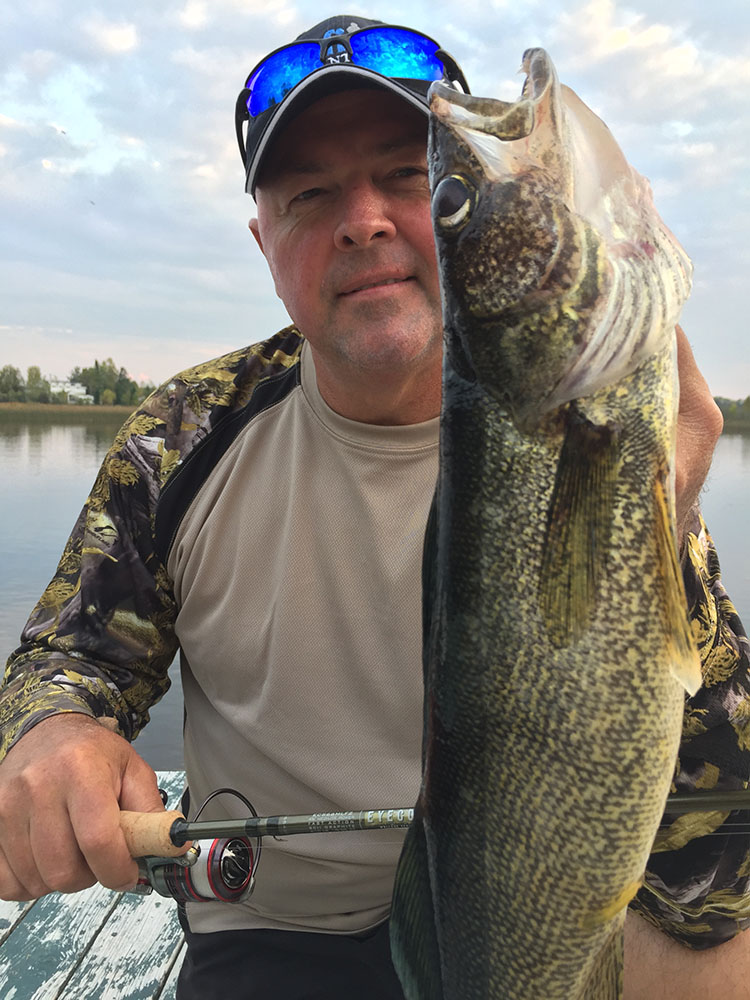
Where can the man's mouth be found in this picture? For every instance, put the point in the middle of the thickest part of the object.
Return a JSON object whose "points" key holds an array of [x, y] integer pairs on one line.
{"points": [[376, 284]]}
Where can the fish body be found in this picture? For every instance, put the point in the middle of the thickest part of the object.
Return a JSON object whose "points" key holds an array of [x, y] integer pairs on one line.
{"points": [[556, 643]]}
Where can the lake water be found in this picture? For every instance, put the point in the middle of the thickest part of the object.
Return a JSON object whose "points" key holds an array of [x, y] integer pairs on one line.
{"points": [[47, 469]]}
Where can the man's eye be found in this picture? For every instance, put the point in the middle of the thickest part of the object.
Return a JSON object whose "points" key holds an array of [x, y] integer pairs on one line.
{"points": [[308, 194]]}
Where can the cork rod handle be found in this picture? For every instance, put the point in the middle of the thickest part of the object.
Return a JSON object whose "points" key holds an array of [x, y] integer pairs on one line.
{"points": [[148, 833]]}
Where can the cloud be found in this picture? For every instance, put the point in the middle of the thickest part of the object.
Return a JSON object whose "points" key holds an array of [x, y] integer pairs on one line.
{"points": [[194, 14], [111, 36], [656, 63]]}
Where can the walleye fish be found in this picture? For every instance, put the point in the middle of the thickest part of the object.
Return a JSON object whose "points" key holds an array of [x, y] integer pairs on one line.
{"points": [[556, 642]]}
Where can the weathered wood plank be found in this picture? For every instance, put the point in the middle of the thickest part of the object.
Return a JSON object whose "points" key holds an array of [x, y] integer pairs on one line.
{"points": [[132, 956], [173, 783], [10, 915], [169, 992], [46, 946]]}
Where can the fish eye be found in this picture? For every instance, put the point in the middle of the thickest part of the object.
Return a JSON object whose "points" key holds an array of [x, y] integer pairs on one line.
{"points": [[453, 202]]}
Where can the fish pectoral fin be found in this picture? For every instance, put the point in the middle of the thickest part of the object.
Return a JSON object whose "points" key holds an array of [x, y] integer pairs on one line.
{"points": [[413, 927], [682, 652], [576, 543]]}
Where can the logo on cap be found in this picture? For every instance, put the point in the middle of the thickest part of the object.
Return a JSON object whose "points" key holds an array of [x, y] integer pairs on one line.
{"points": [[335, 53]]}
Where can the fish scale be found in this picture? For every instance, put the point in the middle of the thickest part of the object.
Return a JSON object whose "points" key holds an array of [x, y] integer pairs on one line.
{"points": [[556, 643]]}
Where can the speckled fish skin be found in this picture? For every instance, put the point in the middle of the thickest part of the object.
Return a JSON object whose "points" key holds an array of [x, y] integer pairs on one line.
{"points": [[557, 647]]}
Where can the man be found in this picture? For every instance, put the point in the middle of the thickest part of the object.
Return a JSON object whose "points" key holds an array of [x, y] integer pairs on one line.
{"points": [[264, 512]]}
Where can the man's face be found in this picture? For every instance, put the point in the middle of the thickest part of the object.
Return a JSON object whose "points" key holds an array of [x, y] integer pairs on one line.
{"points": [[344, 223]]}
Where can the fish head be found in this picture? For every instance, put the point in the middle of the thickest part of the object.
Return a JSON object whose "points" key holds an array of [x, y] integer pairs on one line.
{"points": [[546, 237]]}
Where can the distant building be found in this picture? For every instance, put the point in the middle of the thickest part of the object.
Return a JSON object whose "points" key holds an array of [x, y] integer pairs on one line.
{"points": [[74, 391]]}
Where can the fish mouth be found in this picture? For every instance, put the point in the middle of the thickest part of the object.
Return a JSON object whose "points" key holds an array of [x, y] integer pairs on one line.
{"points": [[367, 285]]}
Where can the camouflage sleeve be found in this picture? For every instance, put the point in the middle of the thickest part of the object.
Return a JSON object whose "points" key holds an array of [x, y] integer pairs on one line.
{"points": [[101, 638], [697, 885]]}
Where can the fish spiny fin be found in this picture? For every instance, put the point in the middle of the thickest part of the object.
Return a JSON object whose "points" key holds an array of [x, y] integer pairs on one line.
{"points": [[681, 651], [578, 527], [413, 930]]}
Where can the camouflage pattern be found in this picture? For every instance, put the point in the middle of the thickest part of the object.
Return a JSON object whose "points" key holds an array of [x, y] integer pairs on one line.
{"points": [[697, 886]]}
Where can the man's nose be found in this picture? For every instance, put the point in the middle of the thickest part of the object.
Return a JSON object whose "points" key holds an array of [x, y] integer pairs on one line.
{"points": [[364, 218]]}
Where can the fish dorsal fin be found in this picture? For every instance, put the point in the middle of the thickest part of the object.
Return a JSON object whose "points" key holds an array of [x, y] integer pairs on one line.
{"points": [[681, 652], [576, 542]]}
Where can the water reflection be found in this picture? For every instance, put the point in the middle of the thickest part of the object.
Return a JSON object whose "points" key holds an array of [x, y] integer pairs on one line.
{"points": [[54, 450]]}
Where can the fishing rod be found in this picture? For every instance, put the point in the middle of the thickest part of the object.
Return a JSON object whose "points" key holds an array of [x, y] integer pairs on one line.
{"points": [[221, 861], [167, 833]]}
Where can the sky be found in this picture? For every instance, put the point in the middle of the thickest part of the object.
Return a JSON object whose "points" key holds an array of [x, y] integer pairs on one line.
{"points": [[123, 227]]}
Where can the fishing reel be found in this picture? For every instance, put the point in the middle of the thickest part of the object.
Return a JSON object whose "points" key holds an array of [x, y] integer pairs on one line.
{"points": [[222, 869]]}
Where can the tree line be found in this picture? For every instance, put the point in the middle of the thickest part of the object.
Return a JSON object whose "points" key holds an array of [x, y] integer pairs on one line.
{"points": [[110, 386], [104, 380], [736, 412]]}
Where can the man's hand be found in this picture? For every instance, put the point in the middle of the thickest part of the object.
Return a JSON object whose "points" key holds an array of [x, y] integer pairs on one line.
{"points": [[699, 424], [61, 790]]}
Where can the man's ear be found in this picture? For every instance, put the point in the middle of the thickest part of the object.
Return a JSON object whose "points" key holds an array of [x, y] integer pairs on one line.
{"points": [[255, 230]]}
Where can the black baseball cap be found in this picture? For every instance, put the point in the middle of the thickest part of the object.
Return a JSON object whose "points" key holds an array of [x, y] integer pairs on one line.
{"points": [[344, 52]]}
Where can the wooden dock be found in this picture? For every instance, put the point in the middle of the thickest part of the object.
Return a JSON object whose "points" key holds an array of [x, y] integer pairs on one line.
{"points": [[93, 945]]}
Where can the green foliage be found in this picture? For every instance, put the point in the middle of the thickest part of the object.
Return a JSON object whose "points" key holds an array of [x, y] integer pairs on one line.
{"points": [[736, 412], [105, 376], [109, 384], [12, 385], [37, 388]]}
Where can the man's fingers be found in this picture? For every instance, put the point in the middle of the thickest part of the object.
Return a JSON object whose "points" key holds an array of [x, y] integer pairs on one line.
{"points": [[40, 863], [139, 791], [65, 861], [95, 821], [102, 844], [11, 887]]}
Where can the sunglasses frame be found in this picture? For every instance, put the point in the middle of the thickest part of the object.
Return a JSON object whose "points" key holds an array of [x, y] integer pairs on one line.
{"points": [[453, 72]]}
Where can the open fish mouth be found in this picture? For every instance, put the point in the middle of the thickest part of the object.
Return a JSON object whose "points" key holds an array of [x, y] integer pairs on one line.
{"points": [[550, 140]]}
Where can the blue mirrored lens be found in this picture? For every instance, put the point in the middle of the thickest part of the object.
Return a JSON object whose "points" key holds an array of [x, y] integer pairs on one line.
{"points": [[283, 70], [396, 52], [393, 52]]}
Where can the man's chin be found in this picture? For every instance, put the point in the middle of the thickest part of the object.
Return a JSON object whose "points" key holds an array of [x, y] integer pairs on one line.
{"points": [[390, 348]]}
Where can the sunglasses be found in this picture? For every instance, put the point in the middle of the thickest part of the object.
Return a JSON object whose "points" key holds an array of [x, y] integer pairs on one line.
{"points": [[387, 50]]}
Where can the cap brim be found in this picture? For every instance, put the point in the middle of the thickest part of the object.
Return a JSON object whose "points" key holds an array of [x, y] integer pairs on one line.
{"points": [[320, 84]]}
